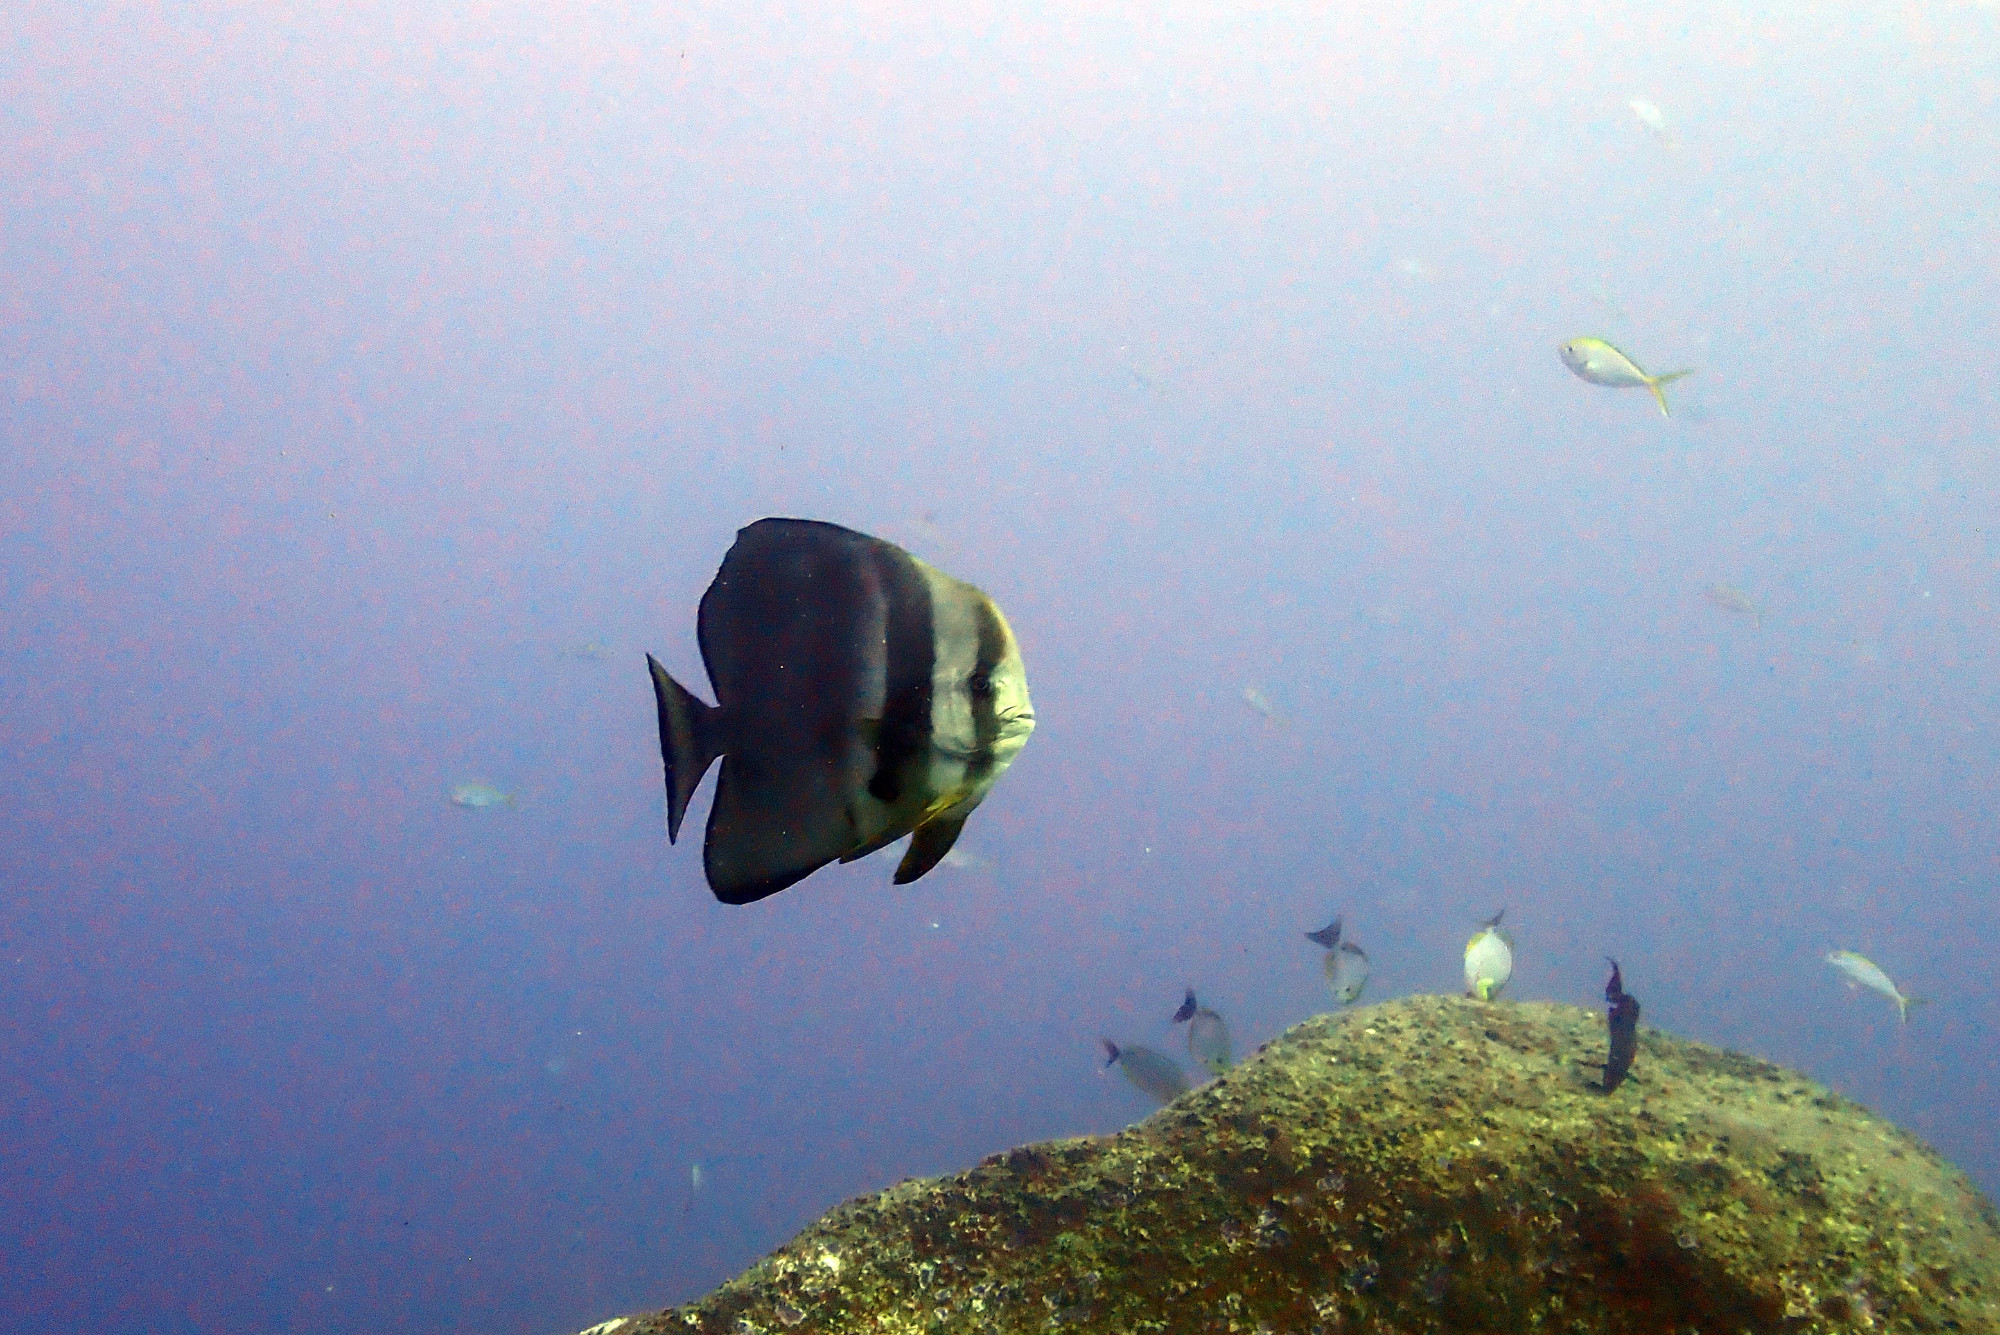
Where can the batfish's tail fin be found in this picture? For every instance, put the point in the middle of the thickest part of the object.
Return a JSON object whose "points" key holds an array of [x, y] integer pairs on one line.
{"points": [[1110, 1053], [1654, 382], [690, 740]]}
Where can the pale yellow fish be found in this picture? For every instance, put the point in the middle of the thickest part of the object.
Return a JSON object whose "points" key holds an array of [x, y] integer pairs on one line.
{"points": [[1260, 703], [478, 796], [1599, 363], [1732, 599], [1860, 971], [1489, 960], [1653, 119]]}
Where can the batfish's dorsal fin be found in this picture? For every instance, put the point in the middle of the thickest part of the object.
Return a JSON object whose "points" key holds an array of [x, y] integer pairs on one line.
{"points": [[690, 739], [932, 840]]}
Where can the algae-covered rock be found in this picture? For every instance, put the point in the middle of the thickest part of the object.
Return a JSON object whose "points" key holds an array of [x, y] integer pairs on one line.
{"points": [[1430, 1164]]}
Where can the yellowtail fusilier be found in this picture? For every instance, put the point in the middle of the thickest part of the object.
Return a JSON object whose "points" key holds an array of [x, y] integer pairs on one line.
{"points": [[1489, 959], [1346, 965], [1599, 363], [1207, 1036], [477, 796], [1152, 1072], [862, 696], [1860, 971]]}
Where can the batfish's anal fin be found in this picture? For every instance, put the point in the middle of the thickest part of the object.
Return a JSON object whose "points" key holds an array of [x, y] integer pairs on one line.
{"points": [[875, 845], [750, 891], [775, 821], [931, 841], [690, 740]]}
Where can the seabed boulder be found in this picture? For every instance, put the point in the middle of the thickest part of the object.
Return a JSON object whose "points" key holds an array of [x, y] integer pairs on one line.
{"points": [[1429, 1164]]}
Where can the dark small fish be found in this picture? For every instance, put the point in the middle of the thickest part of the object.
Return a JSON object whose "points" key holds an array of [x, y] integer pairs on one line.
{"points": [[1622, 1017], [1327, 936], [1187, 1009]]}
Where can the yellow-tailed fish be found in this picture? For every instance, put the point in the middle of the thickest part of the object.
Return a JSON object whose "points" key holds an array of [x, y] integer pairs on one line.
{"points": [[1489, 960], [1599, 363]]}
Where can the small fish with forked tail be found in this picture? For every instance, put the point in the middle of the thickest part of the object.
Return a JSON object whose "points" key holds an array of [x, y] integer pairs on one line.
{"points": [[1207, 1037], [1732, 599], [1860, 971], [1598, 362], [1489, 959], [1621, 1017], [1346, 966], [1150, 1072]]}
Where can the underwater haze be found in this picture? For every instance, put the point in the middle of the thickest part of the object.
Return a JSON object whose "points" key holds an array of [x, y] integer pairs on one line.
{"points": [[380, 383]]}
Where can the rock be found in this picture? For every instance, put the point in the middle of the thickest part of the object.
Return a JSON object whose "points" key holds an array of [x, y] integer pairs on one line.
{"points": [[1429, 1164]]}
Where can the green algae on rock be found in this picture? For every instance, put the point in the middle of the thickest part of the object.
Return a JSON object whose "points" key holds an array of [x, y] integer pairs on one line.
{"points": [[1429, 1164]]}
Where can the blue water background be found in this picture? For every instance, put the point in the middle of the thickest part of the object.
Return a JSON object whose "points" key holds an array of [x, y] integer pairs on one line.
{"points": [[358, 362]]}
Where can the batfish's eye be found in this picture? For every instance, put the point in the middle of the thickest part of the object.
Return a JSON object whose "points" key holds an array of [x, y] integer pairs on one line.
{"points": [[979, 683]]}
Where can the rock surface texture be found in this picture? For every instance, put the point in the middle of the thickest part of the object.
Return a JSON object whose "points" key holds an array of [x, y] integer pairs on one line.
{"points": [[1430, 1164]]}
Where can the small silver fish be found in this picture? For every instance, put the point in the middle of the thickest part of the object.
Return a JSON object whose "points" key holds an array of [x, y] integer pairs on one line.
{"points": [[1346, 972], [1653, 119], [1207, 1036], [1595, 361], [695, 1176], [1346, 965], [1489, 959], [1150, 1072], [1860, 971], [1732, 599], [478, 796]]}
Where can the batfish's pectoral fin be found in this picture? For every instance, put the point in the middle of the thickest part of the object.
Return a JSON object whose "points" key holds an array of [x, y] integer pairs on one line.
{"points": [[932, 840], [690, 740]]}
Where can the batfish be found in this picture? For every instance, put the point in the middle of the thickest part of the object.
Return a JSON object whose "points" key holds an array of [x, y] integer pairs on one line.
{"points": [[861, 696]]}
